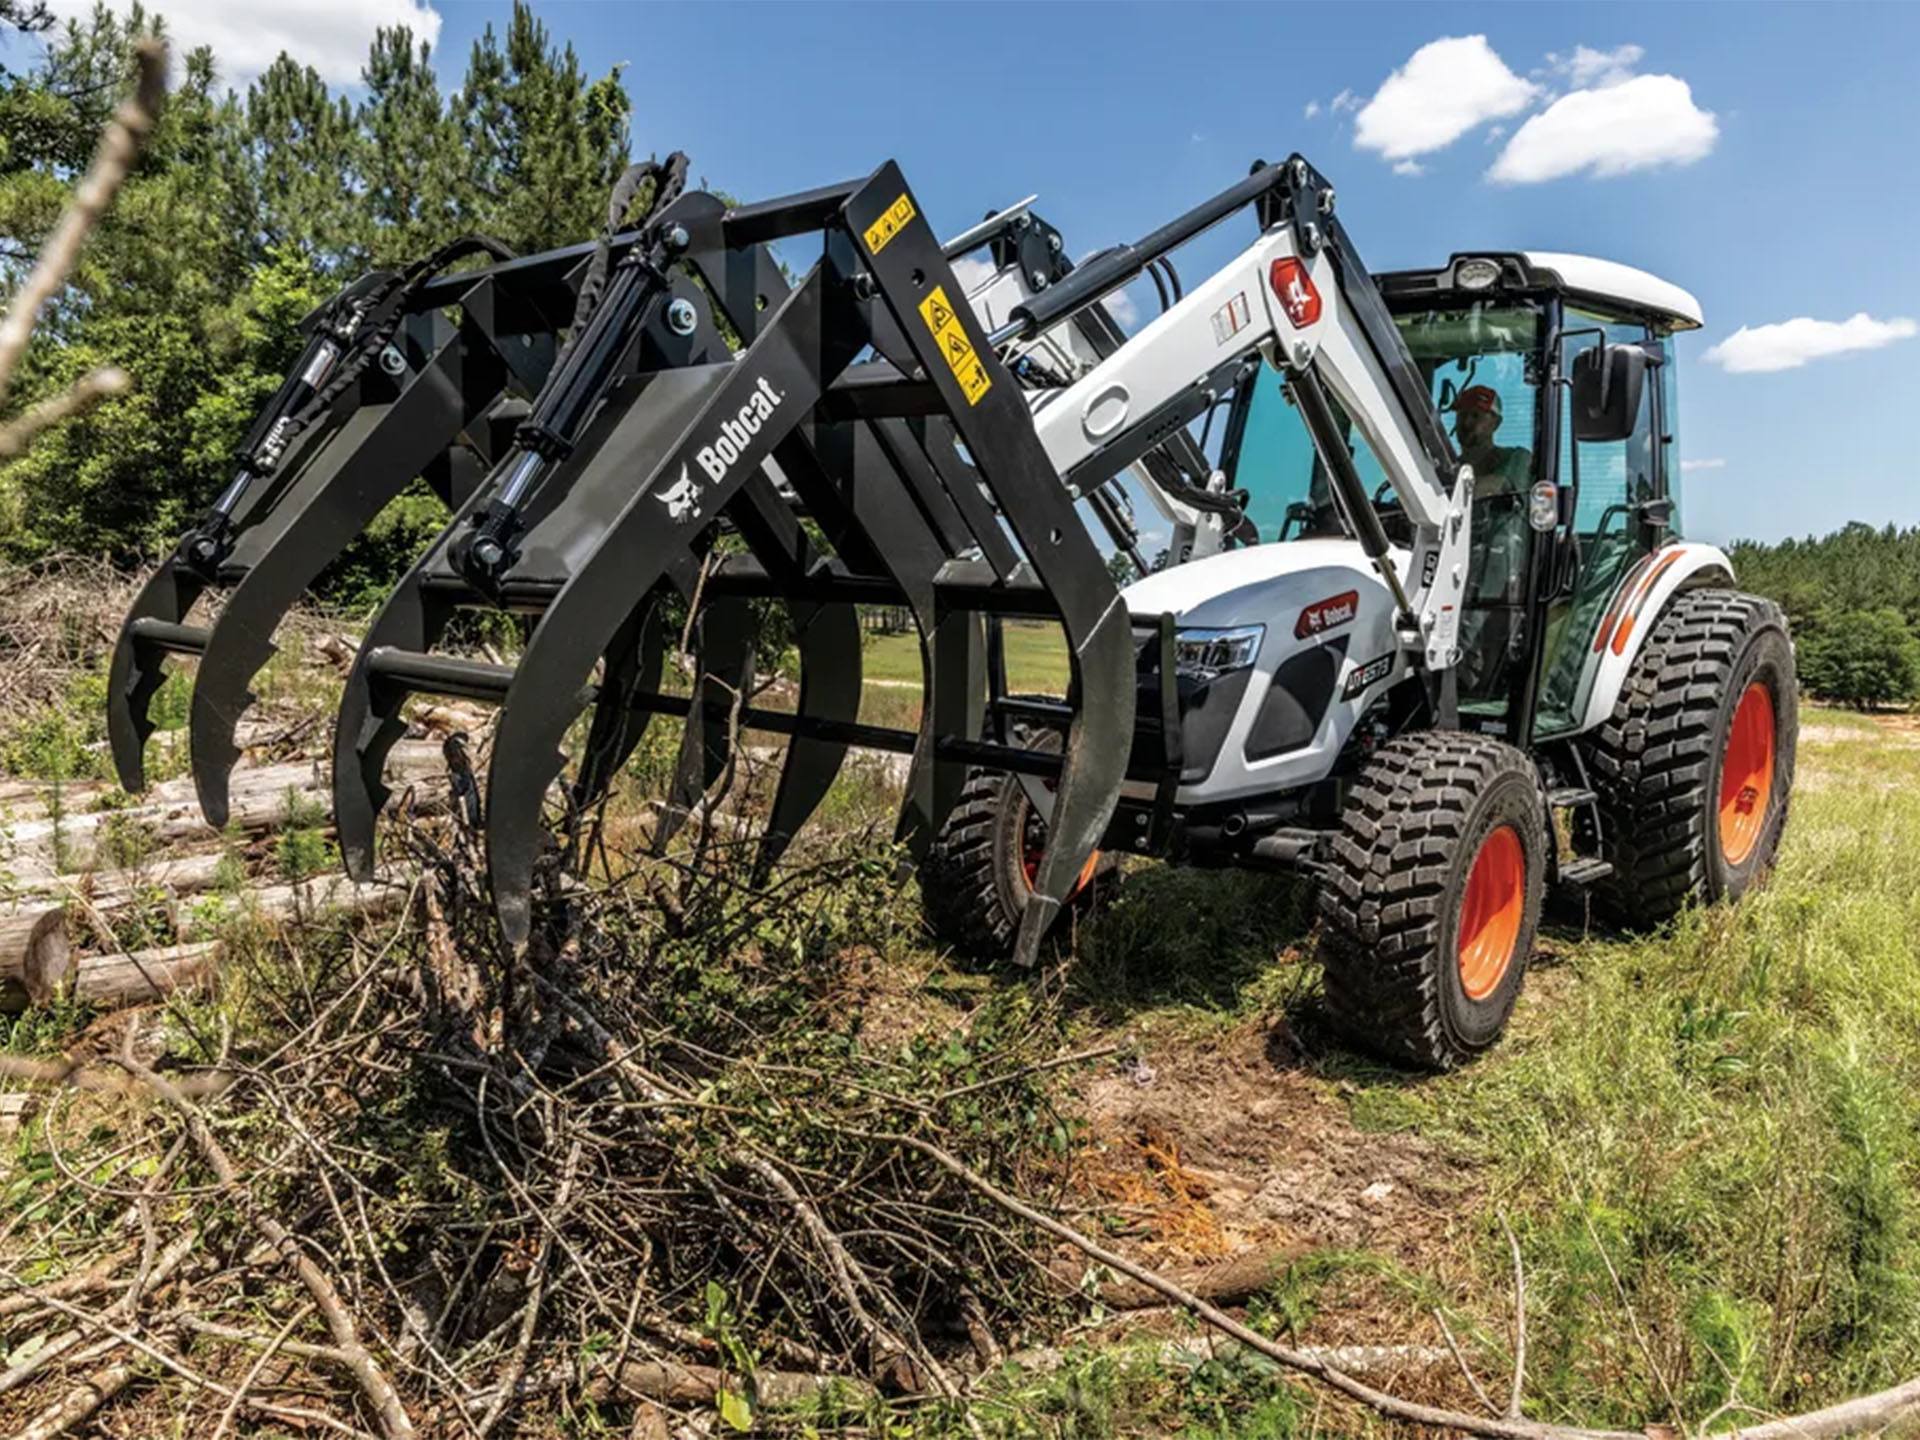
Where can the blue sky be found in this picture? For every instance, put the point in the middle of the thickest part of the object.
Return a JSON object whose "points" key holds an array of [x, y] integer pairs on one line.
{"points": [[1785, 185]]}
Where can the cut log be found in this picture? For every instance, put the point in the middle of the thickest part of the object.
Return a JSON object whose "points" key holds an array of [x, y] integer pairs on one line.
{"points": [[110, 981], [261, 798], [321, 895], [34, 958], [1225, 1282], [111, 890]]}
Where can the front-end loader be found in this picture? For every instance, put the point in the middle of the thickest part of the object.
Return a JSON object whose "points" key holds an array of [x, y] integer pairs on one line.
{"points": [[1425, 629]]}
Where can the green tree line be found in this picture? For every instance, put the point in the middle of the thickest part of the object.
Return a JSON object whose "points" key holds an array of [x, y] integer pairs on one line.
{"points": [[1853, 598], [246, 211]]}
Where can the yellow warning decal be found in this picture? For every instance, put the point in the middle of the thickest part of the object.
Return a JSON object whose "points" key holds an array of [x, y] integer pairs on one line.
{"points": [[889, 224], [951, 336]]}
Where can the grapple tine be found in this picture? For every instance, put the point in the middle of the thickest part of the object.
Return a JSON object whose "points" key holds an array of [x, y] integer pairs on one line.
{"points": [[632, 664], [777, 381], [993, 422], [365, 464], [1097, 748], [726, 629], [369, 723], [138, 668], [830, 680]]}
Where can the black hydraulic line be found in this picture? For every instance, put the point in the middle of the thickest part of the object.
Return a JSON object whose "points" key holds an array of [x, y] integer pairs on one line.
{"points": [[1173, 278], [348, 333], [1119, 265], [1159, 288]]}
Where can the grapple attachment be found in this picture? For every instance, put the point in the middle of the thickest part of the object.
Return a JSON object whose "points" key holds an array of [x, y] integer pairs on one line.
{"points": [[388, 387], [867, 400]]}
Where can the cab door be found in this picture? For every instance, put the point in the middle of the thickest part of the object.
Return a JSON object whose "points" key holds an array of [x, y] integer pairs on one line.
{"points": [[1622, 511]]}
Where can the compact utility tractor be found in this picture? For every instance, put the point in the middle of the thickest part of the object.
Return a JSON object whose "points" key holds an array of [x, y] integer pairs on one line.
{"points": [[1424, 628]]}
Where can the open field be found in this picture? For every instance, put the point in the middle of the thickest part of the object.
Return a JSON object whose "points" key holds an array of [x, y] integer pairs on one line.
{"points": [[1703, 1143], [1036, 659]]}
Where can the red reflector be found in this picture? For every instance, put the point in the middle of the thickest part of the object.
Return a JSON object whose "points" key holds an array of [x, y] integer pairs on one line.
{"points": [[1293, 288]]}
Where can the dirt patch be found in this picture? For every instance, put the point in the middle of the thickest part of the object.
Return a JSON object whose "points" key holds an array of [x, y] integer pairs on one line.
{"points": [[1205, 1147]]}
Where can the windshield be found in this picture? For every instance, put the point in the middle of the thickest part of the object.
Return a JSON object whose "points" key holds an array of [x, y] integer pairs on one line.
{"points": [[1481, 366]]}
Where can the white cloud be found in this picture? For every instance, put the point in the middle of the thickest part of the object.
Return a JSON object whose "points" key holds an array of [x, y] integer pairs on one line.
{"points": [[1446, 88], [1588, 67], [970, 270], [330, 35], [1757, 349], [1313, 108], [1635, 124], [1125, 313], [1689, 466], [1346, 100], [1408, 167]]}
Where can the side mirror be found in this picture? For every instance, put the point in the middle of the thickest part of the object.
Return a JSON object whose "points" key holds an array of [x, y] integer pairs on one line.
{"points": [[1608, 382]]}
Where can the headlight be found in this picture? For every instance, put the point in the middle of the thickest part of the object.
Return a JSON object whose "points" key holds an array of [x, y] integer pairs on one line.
{"points": [[1209, 654]]}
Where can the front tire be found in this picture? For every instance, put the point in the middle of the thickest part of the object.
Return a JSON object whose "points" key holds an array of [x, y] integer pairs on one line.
{"points": [[1694, 768], [979, 872], [1432, 897]]}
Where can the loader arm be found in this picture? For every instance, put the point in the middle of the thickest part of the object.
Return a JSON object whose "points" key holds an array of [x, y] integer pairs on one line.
{"points": [[1300, 299]]}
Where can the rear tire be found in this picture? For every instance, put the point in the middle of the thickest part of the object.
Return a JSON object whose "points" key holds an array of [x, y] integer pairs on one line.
{"points": [[1432, 897], [977, 875], [1694, 768]]}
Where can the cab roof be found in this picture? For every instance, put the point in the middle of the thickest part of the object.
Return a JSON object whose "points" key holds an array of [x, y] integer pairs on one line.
{"points": [[1579, 277], [1621, 284]]}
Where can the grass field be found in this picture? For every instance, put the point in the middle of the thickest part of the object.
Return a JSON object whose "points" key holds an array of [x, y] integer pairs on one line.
{"points": [[1706, 1142], [1036, 658]]}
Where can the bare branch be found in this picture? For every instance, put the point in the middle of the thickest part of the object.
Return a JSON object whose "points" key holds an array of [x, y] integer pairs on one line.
{"points": [[86, 392], [119, 145]]}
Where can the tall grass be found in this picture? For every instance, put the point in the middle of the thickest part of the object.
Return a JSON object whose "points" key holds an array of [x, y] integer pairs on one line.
{"points": [[1712, 1136]]}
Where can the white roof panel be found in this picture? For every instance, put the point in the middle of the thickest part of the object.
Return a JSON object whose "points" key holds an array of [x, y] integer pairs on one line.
{"points": [[1609, 279]]}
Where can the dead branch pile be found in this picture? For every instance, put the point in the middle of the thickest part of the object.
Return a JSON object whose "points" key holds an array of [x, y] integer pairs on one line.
{"points": [[421, 1188]]}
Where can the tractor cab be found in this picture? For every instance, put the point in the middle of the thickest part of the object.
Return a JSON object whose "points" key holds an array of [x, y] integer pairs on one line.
{"points": [[1562, 511]]}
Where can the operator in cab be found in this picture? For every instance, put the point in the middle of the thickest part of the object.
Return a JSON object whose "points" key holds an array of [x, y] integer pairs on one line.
{"points": [[1497, 552], [1497, 469]]}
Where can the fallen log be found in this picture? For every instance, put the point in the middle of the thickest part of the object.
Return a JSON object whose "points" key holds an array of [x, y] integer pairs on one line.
{"points": [[111, 890], [261, 798], [112, 981], [140, 976], [1224, 1282], [34, 956]]}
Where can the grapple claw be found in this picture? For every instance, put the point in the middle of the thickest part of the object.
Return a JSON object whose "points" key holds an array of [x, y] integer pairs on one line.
{"points": [[725, 631], [829, 642]]}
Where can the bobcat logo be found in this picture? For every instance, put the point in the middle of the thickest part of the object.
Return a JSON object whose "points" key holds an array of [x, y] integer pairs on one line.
{"points": [[682, 498]]}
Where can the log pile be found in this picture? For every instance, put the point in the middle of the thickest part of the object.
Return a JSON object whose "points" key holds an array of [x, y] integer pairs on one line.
{"points": [[59, 907]]}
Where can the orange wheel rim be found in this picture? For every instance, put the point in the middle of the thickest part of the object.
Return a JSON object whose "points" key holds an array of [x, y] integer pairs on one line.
{"points": [[1491, 912], [1746, 774], [1034, 846]]}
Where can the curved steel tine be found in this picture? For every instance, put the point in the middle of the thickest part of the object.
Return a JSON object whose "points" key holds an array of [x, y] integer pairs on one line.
{"points": [[370, 460], [138, 668], [725, 630], [829, 641], [632, 664], [1097, 749], [993, 421], [369, 723]]}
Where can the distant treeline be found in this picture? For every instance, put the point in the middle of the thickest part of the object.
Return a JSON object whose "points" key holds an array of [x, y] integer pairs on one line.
{"points": [[1854, 600]]}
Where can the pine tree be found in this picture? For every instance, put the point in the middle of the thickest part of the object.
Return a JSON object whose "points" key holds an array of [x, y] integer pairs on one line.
{"points": [[543, 145]]}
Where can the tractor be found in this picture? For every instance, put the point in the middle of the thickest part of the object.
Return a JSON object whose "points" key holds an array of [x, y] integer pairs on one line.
{"points": [[1424, 628]]}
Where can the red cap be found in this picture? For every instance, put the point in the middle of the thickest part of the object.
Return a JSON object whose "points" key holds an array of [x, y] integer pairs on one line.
{"points": [[1478, 399]]}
